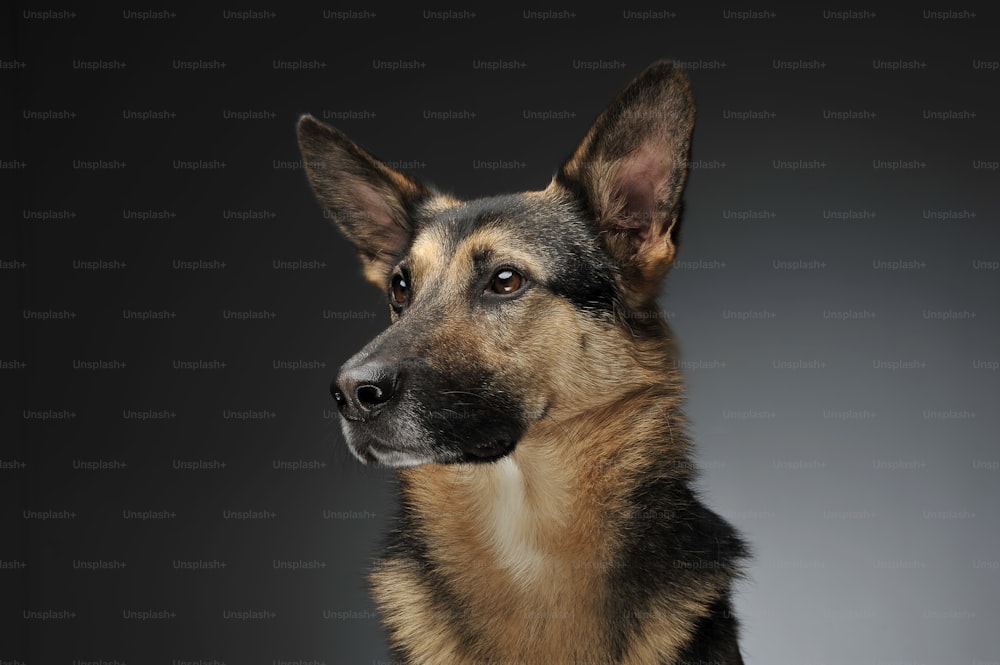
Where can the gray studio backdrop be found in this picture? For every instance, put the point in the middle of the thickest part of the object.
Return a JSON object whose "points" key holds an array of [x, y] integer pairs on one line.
{"points": [[174, 485]]}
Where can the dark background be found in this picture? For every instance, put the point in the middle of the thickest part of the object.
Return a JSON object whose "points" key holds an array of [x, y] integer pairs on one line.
{"points": [[174, 485]]}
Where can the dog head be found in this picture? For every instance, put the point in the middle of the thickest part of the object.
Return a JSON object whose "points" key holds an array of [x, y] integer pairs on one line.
{"points": [[511, 309]]}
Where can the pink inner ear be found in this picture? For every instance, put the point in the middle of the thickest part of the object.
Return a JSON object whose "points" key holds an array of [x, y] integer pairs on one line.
{"points": [[642, 175], [380, 223]]}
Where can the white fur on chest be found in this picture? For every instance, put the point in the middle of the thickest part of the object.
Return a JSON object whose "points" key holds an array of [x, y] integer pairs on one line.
{"points": [[513, 530]]}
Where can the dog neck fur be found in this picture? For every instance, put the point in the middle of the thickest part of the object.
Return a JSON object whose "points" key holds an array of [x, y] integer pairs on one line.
{"points": [[535, 534]]}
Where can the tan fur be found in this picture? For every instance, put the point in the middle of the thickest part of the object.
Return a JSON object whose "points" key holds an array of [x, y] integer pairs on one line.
{"points": [[575, 502], [575, 465]]}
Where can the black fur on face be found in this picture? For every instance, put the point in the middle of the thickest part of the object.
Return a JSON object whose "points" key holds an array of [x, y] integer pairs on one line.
{"points": [[439, 418], [560, 234]]}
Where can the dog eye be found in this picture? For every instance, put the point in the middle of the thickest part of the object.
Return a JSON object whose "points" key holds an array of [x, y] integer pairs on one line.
{"points": [[506, 282], [399, 290]]}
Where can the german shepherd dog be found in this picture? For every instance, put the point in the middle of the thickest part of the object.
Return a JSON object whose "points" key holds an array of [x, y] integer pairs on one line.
{"points": [[527, 390]]}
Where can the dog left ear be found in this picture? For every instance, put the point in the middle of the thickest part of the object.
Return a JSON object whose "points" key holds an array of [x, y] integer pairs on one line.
{"points": [[370, 202], [630, 171]]}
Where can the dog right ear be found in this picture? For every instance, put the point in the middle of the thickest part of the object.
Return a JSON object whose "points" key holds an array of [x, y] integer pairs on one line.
{"points": [[371, 203], [630, 169]]}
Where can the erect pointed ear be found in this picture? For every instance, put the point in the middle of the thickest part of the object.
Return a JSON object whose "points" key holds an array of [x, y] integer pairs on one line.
{"points": [[371, 203], [630, 171]]}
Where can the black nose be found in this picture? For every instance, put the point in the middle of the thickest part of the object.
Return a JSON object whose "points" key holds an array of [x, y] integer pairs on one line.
{"points": [[362, 390]]}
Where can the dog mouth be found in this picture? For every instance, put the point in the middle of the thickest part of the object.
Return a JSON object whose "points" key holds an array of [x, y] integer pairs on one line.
{"points": [[474, 453], [410, 432], [388, 450], [379, 454]]}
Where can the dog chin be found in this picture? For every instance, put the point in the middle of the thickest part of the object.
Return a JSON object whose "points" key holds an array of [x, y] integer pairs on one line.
{"points": [[399, 459], [371, 450], [394, 459]]}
